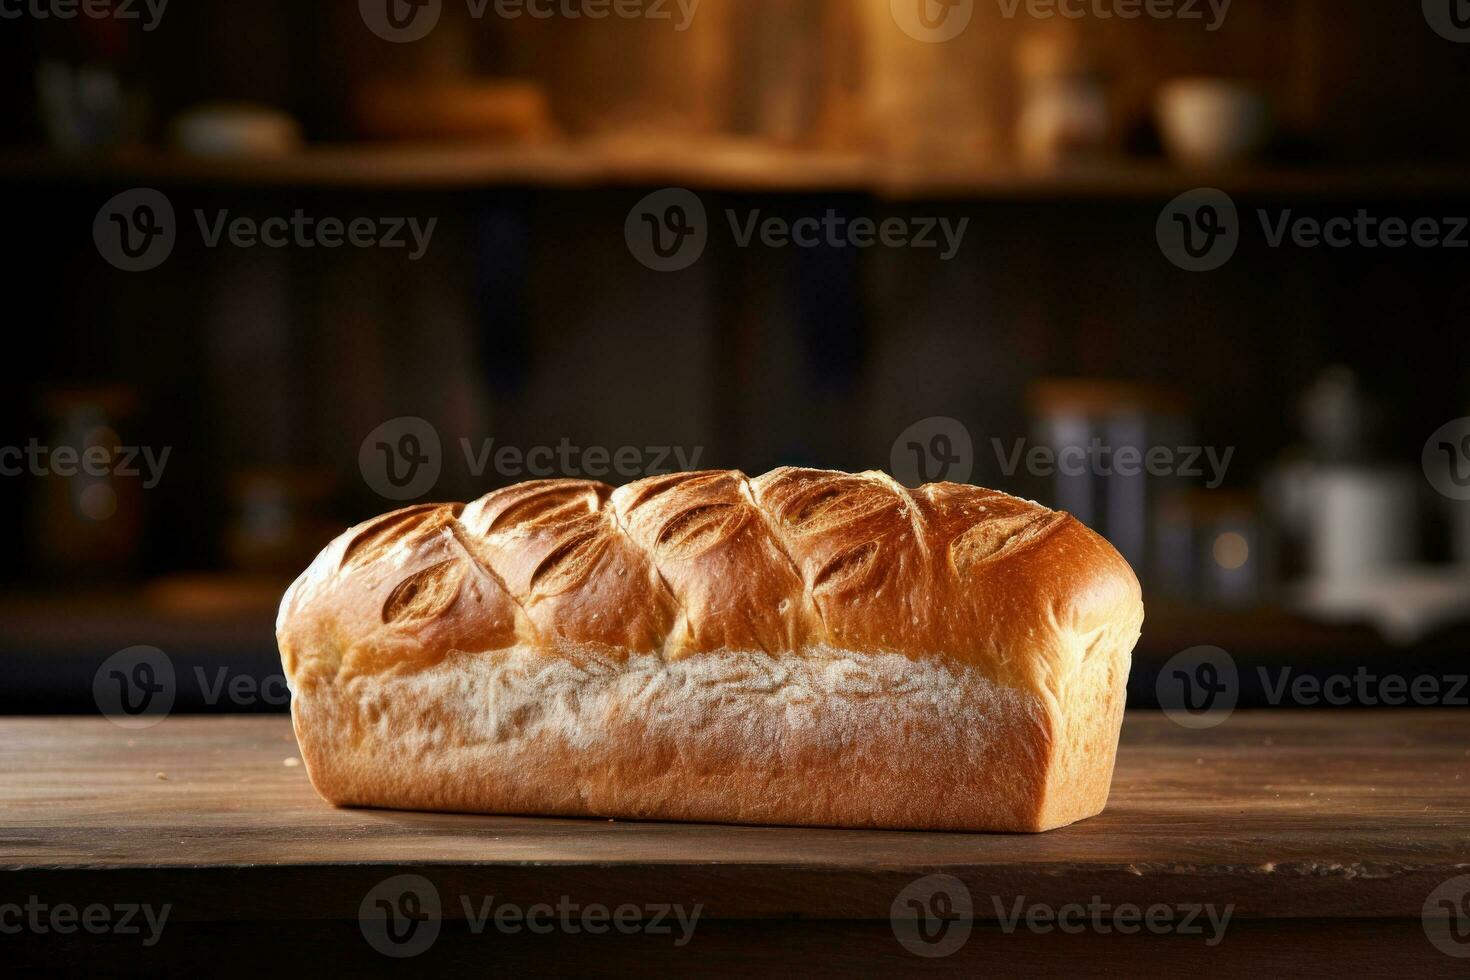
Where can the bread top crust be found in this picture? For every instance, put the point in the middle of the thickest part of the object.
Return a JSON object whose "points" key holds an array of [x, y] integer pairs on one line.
{"points": [[698, 563]]}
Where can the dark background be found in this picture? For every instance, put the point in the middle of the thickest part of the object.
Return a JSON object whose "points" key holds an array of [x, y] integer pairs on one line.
{"points": [[530, 321]]}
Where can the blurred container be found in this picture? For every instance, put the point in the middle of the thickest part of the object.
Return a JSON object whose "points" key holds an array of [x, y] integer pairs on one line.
{"points": [[1101, 433], [1210, 548], [781, 48], [88, 107], [464, 109], [236, 129], [935, 106], [635, 79], [1213, 122], [280, 519], [1343, 512], [88, 488], [1363, 518], [1064, 114]]}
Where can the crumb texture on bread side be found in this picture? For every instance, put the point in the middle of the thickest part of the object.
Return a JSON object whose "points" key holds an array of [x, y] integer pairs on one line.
{"points": [[804, 647]]}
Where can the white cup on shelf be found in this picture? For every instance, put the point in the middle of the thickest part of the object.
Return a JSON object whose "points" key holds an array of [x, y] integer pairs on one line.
{"points": [[1213, 122]]}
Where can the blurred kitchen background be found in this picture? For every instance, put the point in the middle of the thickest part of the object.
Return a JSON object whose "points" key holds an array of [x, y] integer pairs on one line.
{"points": [[1323, 546]]}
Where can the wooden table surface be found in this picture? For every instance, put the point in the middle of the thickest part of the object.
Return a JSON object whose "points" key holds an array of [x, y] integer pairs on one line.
{"points": [[1317, 827]]}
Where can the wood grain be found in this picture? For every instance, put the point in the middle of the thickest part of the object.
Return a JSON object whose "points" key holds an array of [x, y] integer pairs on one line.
{"points": [[1296, 819]]}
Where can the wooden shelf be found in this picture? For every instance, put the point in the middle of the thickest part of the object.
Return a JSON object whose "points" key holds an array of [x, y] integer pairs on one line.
{"points": [[729, 165], [430, 167]]}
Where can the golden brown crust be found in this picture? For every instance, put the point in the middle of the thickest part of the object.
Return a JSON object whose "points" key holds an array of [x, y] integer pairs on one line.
{"points": [[644, 613]]}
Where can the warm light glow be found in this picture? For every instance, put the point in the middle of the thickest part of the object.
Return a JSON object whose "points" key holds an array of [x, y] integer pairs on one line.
{"points": [[98, 502], [1231, 551]]}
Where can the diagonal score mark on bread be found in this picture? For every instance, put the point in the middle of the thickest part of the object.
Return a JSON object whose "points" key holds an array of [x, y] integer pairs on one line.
{"points": [[800, 647]]}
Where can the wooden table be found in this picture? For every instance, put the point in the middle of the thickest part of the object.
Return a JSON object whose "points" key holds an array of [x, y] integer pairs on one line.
{"points": [[1324, 833]]}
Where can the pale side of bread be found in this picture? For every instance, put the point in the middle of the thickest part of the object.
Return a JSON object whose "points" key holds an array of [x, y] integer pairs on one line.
{"points": [[806, 647]]}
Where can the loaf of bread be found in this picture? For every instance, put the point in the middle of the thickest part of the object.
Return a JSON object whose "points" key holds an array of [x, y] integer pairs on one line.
{"points": [[807, 647]]}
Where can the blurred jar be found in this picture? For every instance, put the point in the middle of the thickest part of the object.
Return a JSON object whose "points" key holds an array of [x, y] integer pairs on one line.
{"points": [[1116, 457], [86, 96], [1343, 511], [1213, 122], [88, 484], [635, 80], [1210, 548], [280, 518], [932, 103], [1064, 116]]}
